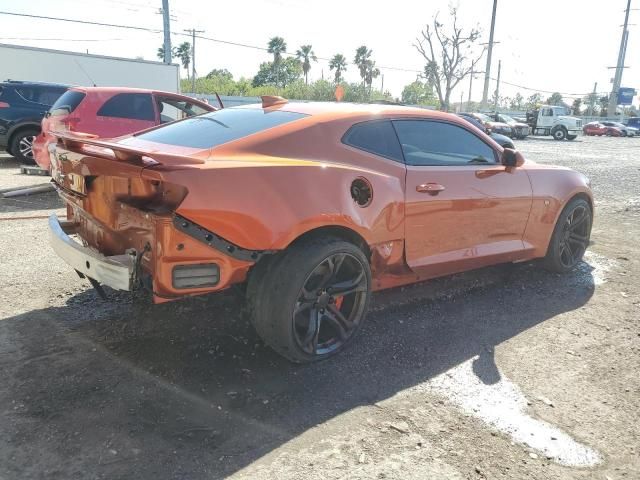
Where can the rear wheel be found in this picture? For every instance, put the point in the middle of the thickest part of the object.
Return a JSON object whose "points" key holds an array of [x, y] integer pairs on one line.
{"points": [[22, 145], [570, 237], [309, 304]]}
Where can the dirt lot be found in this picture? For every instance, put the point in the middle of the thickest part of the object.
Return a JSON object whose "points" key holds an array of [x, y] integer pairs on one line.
{"points": [[508, 372]]}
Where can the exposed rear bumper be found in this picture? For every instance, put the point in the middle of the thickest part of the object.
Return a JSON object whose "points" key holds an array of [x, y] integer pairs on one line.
{"points": [[116, 271]]}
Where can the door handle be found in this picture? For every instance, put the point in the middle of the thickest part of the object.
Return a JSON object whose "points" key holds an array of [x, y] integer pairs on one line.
{"points": [[430, 188]]}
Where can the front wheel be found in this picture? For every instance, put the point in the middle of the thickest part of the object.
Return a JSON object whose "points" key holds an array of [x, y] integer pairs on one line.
{"points": [[309, 303], [559, 134], [570, 237]]}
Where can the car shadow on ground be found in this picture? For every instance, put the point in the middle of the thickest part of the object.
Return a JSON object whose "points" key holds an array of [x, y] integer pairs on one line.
{"points": [[125, 389]]}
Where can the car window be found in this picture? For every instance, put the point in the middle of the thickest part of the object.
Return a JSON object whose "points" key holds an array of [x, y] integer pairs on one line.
{"points": [[174, 109], [48, 96], [66, 103], [377, 137], [135, 106], [547, 112], [216, 128], [433, 143]]}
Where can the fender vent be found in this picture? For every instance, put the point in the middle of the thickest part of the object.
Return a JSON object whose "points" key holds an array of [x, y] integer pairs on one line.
{"points": [[361, 191]]}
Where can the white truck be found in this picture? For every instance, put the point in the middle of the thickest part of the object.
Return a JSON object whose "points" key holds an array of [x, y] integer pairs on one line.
{"points": [[71, 68], [550, 120]]}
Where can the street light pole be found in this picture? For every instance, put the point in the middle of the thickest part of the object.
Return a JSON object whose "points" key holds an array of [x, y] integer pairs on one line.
{"points": [[487, 70], [617, 79], [495, 103], [167, 31]]}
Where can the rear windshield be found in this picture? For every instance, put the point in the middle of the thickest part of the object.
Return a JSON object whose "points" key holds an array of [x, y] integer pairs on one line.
{"points": [[67, 103], [215, 128]]}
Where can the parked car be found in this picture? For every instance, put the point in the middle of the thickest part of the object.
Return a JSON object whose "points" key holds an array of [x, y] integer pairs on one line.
{"points": [[597, 128], [633, 122], [490, 124], [313, 205], [502, 140], [22, 106], [520, 130], [112, 112], [626, 131]]}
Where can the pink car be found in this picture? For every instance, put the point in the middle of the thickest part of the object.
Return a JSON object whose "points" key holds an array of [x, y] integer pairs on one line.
{"points": [[112, 112]]}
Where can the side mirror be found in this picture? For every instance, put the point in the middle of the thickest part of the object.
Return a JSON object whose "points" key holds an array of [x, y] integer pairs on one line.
{"points": [[512, 158]]}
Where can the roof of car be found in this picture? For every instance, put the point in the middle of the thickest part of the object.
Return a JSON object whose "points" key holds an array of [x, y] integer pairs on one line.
{"points": [[33, 84], [123, 90]]}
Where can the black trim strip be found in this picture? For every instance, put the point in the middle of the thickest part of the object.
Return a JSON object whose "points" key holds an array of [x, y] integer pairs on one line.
{"points": [[215, 241]]}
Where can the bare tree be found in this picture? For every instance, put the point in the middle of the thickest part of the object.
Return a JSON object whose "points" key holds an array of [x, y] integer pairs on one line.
{"points": [[449, 55]]}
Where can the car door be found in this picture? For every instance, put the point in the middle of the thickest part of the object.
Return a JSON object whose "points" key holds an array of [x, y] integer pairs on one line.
{"points": [[463, 208], [124, 113]]}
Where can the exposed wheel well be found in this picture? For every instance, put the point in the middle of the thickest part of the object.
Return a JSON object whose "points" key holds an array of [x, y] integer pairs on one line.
{"points": [[343, 233], [585, 197]]}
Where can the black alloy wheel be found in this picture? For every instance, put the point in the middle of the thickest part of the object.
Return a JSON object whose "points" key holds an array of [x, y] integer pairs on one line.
{"points": [[570, 237], [330, 304]]}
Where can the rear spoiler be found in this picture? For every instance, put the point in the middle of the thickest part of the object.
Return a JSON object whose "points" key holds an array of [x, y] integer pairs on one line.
{"points": [[78, 142]]}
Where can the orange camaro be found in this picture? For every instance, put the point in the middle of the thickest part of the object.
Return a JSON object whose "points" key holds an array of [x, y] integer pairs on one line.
{"points": [[313, 205]]}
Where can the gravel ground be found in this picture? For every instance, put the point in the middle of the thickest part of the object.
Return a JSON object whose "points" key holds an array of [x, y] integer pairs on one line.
{"points": [[506, 372]]}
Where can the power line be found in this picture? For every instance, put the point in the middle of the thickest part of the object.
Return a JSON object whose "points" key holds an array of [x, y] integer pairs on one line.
{"points": [[85, 22]]}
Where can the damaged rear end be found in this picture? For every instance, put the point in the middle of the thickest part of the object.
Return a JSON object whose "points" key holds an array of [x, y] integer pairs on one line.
{"points": [[121, 206]]}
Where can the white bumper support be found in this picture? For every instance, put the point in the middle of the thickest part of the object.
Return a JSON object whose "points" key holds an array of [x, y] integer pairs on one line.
{"points": [[116, 271]]}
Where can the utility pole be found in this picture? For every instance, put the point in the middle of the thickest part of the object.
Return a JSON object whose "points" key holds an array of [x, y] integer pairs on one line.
{"points": [[592, 101], [193, 32], [617, 79], [167, 31], [461, 97], [471, 74], [495, 103], [487, 70]]}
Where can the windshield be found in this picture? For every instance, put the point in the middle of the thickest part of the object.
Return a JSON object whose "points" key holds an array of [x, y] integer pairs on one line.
{"points": [[215, 128], [506, 119], [482, 117]]}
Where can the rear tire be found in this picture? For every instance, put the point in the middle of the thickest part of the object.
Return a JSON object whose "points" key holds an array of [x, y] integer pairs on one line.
{"points": [[570, 237], [309, 302], [22, 145]]}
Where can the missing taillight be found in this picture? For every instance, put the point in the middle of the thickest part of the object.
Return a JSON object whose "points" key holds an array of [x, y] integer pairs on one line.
{"points": [[195, 276]]}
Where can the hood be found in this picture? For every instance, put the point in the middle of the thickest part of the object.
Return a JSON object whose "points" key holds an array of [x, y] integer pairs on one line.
{"points": [[569, 119]]}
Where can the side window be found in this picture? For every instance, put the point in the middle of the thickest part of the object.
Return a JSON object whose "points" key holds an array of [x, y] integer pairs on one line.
{"points": [[48, 96], [377, 137], [173, 109], [135, 106], [433, 143], [547, 112]]}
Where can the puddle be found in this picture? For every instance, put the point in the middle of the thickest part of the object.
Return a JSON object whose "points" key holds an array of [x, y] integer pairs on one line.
{"points": [[503, 406]]}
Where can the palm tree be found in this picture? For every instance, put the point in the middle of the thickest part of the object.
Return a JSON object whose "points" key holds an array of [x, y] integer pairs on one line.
{"points": [[277, 46], [183, 52], [362, 60], [306, 55], [339, 64], [160, 53], [371, 72]]}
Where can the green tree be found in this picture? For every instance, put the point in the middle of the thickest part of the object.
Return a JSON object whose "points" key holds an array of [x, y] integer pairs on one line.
{"points": [[577, 105], [277, 46], [555, 99], [533, 101], [339, 64], [183, 52], [517, 102], [306, 56], [160, 53], [604, 105], [363, 61], [221, 73], [418, 93], [285, 73]]}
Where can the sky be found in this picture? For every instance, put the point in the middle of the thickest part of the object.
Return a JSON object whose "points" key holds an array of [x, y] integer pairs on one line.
{"points": [[553, 45]]}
